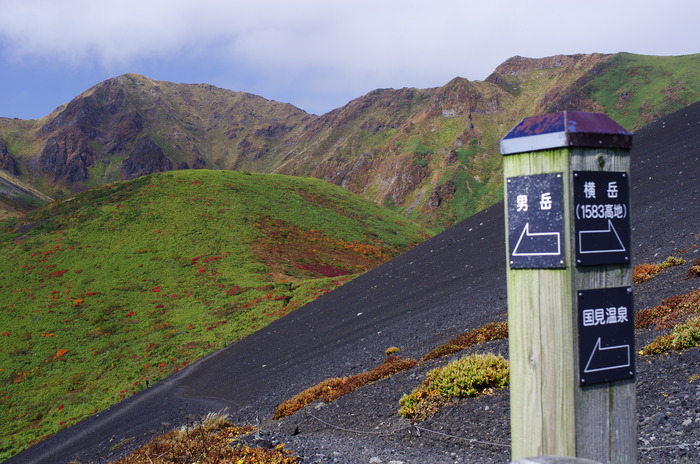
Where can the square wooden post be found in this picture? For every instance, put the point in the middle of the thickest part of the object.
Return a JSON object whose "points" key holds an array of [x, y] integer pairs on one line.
{"points": [[569, 288]]}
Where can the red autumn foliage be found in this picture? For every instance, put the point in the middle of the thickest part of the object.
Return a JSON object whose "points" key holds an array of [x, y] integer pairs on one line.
{"points": [[325, 270], [235, 290]]}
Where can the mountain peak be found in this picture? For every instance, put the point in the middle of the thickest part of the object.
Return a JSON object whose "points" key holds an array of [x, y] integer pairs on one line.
{"points": [[430, 153]]}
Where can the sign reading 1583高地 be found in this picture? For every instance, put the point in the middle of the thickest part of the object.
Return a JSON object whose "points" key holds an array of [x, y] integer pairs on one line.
{"points": [[535, 221], [602, 221]]}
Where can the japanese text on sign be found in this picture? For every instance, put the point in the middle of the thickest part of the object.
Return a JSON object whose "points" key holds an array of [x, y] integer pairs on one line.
{"points": [[535, 221], [606, 335], [602, 316], [602, 224]]}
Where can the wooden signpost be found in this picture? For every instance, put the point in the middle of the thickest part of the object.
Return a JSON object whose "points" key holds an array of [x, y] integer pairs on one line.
{"points": [[570, 314]]}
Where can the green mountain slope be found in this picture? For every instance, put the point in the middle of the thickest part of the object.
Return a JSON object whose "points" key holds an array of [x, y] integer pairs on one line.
{"points": [[636, 89], [16, 197], [431, 154], [119, 286]]}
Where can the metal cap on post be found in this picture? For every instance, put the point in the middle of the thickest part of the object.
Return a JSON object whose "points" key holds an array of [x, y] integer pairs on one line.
{"points": [[569, 287], [565, 129]]}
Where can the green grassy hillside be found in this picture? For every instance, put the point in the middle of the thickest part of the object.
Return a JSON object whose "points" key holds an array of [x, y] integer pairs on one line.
{"points": [[120, 286], [637, 89]]}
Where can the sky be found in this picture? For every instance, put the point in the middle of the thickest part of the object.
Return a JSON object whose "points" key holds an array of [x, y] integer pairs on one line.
{"points": [[315, 54]]}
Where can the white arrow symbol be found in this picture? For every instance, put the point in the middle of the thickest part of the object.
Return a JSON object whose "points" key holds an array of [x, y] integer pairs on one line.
{"points": [[600, 241], [537, 243], [622, 352]]}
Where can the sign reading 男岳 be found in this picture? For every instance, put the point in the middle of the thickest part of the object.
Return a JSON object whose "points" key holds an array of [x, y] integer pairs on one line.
{"points": [[606, 335], [535, 221], [602, 219]]}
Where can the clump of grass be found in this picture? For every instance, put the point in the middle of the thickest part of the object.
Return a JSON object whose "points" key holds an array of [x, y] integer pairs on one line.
{"points": [[669, 312], [319, 391], [331, 389], [488, 332], [643, 272], [210, 441], [392, 350], [694, 269], [647, 271], [682, 337], [672, 261], [468, 376]]}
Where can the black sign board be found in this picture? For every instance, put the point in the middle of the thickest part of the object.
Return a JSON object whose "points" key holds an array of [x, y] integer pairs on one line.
{"points": [[536, 221], [602, 219], [605, 335]]}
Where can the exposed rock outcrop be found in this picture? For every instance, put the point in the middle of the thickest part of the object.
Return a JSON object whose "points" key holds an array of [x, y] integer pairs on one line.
{"points": [[7, 162], [145, 158], [67, 156]]}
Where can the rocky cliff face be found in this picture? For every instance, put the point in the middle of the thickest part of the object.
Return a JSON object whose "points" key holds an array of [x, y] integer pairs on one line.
{"points": [[431, 153], [131, 126], [67, 156], [7, 162], [145, 158]]}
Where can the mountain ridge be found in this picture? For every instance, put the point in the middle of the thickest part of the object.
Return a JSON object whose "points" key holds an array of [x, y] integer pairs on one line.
{"points": [[431, 154]]}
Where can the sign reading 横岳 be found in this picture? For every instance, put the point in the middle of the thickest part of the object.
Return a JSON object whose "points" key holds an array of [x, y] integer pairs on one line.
{"points": [[606, 335], [536, 221], [602, 220]]}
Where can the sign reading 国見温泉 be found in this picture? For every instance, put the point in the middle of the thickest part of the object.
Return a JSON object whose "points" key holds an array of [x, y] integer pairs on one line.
{"points": [[606, 335]]}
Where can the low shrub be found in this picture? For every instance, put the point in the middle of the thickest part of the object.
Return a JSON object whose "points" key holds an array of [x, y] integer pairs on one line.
{"points": [[309, 395], [643, 272], [337, 387], [682, 337], [207, 442], [468, 376], [392, 350], [672, 261], [694, 269], [488, 332], [646, 271], [392, 364], [669, 312]]}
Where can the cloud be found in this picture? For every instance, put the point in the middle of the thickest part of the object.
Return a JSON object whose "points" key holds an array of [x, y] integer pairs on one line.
{"points": [[109, 32], [319, 48], [355, 37], [358, 36]]}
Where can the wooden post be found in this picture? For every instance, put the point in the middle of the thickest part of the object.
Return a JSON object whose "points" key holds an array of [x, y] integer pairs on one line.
{"points": [[569, 288]]}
